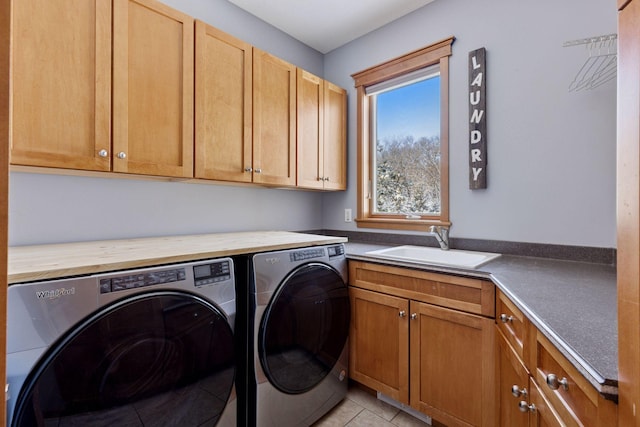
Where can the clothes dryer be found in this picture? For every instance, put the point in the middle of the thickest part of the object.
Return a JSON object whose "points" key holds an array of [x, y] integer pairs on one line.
{"points": [[300, 323], [150, 346]]}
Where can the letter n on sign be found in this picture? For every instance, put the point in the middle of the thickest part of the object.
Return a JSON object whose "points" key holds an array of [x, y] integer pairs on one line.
{"points": [[477, 119]]}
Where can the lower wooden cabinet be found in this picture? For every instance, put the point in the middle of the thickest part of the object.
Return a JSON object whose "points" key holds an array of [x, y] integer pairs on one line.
{"points": [[521, 403], [537, 385], [379, 342], [438, 360], [542, 413], [513, 385], [452, 365]]}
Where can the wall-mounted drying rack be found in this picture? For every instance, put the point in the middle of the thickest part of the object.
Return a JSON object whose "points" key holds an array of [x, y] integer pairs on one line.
{"points": [[601, 64]]}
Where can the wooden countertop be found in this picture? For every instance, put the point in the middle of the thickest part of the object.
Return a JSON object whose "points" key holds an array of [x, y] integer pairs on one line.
{"points": [[29, 263]]}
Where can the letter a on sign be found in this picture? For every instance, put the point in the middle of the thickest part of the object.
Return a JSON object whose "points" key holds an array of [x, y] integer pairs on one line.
{"points": [[477, 119]]}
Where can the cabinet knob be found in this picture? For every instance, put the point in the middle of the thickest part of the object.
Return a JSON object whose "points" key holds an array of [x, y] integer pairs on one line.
{"points": [[327, 178], [414, 316], [320, 178], [103, 153], [525, 407], [554, 383], [248, 169], [122, 155], [258, 170], [402, 313], [517, 391], [506, 319]]}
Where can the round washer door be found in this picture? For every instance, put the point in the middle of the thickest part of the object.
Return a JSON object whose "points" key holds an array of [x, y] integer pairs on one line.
{"points": [[161, 358], [304, 328]]}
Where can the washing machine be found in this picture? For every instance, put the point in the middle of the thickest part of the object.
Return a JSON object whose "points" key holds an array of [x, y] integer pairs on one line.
{"points": [[301, 314], [150, 346]]}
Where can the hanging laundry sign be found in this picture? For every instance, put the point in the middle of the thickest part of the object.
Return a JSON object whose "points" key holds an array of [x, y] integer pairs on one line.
{"points": [[477, 119]]}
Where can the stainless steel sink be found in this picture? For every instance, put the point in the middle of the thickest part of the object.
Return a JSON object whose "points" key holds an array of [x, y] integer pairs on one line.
{"points": [[437, 256]]}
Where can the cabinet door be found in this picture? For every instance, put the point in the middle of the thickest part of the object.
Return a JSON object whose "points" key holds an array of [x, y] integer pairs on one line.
{"points": [[223, 106], [274, 120], [152, 89], [453, 366], [541, 413], [335, 137], [511, 374], [61, 83], [310, 124], [379, 342]]}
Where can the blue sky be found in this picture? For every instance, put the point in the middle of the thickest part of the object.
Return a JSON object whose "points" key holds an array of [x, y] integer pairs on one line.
{"points": [[412, 109]]}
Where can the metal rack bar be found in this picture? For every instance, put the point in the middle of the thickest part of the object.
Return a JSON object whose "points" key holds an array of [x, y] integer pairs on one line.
{"points": [[597, 39]]}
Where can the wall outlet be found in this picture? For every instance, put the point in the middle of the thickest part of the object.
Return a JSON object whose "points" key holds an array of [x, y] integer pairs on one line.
{"points": [[347, 215]]}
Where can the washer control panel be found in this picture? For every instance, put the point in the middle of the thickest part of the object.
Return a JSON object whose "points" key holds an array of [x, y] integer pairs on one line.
{"points": [[214, 272], [204, 273], [141, 279]]}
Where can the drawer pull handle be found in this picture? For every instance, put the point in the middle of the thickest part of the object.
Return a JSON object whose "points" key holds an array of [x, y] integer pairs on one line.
{"points": [[525, 407], [414, 316], [402, 313], [517, 391], [506, 319], [554, 383]]}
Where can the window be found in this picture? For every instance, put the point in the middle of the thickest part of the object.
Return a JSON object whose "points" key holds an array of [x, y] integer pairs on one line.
{"points": [[403, 141]]}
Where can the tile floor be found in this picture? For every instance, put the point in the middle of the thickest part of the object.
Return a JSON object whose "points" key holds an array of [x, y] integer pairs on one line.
{"points": [[361, 408]]}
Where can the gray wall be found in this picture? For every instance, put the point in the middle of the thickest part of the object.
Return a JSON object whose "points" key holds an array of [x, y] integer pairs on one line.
{"points": [[50, 209], [551, 173]]}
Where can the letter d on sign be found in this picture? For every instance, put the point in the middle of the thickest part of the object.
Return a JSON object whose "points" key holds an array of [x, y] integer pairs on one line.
{"points": [[477, 119]]}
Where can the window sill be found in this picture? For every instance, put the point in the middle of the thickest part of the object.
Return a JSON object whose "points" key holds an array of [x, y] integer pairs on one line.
{"points": [[400, 224]]}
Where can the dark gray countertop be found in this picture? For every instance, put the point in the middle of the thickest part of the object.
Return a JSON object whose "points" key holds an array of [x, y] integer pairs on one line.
{"points": [[574, 304]]}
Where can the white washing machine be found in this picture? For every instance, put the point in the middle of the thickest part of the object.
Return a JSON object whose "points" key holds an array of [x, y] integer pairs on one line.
{"points": [[151, 346], [300, 323]]}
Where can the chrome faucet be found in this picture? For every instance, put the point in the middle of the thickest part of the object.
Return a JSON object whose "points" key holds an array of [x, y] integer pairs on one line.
{"points": [[442, 236]]}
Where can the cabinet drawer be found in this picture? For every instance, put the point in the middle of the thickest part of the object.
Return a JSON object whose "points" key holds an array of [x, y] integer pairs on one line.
{"points": [[575, 400], [512, 323], [462, 293]]}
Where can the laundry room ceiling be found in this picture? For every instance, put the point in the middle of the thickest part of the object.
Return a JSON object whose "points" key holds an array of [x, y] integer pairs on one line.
{"points": [[327, 24]]}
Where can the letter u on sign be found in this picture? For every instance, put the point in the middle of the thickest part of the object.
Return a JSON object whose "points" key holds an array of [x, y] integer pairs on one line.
{"points": [[477, 119]]}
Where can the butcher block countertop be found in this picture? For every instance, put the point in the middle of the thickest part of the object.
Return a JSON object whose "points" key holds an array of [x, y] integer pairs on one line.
{"points": [[30, 263]]}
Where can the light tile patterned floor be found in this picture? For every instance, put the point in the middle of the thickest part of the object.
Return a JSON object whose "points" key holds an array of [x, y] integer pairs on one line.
{"points": [[360, 408]]}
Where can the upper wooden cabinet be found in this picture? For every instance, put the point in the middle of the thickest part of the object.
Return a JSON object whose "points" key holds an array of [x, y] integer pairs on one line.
{"points": [[134, 86], [60, 113], [335, 137], [152, 89], [274, 120], [321, 116], [310, 117], [223, 106]]}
